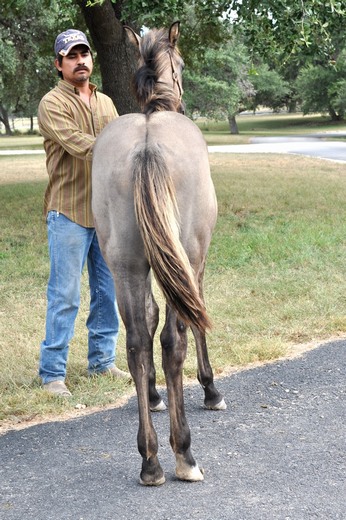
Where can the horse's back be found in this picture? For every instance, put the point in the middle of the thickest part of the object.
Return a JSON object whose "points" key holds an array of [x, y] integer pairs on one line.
{"points": [[176, 135], [176, 139], [173, 135]]}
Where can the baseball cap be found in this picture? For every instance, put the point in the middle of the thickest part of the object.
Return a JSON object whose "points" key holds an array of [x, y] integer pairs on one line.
{"points": [[68, 39]]}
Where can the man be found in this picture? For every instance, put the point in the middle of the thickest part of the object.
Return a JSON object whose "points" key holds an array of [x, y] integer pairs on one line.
{"points": [[70, 117]]}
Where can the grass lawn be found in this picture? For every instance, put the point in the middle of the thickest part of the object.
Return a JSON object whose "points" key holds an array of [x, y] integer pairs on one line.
{"points": [[23, 142], [274, 279], [217, 133]]}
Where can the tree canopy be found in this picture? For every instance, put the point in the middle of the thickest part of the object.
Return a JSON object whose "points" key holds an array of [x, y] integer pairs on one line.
{"points": [[220, 87], [323, 89], [26, 57], [283, 34], [282, 31]]}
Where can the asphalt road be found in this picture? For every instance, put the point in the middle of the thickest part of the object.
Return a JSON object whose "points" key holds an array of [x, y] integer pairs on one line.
{"points": [[313, 146], [310, 147], [276, 453]]}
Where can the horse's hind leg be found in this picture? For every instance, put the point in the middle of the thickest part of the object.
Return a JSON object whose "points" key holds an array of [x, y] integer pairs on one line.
{"points": [[213, 400], [152, 319], [174, 345], [131, 296]]}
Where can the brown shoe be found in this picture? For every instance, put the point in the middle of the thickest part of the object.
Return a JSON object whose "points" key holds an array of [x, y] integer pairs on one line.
{"points": [[57, 388], [116, 373]]}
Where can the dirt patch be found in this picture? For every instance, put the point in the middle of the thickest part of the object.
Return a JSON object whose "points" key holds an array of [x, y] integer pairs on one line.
{"points": [[22, 168]]}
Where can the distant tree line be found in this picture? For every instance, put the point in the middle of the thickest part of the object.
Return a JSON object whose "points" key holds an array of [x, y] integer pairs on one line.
{"points": [[239, 56]]}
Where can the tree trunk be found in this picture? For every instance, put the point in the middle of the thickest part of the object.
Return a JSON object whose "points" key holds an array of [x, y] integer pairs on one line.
{"points": [[116, 56], [4, 119], [233, 124], [334, 115], [292, 106]]}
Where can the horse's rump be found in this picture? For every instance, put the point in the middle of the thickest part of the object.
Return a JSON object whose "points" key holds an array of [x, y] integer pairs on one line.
{"points": [[161, 164]]}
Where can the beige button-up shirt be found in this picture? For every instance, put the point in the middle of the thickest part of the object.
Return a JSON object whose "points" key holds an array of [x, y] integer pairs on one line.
{"points": [[69, 127]]}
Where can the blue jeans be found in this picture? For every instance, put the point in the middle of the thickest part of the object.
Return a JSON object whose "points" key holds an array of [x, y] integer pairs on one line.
{"points": [[70, 245]]}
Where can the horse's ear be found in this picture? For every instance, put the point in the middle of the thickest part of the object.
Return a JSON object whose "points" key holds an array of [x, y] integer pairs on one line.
{"points": [[174, 33], [132, 36]]}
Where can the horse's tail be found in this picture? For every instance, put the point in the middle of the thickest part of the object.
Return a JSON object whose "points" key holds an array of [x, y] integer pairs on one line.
{"points": [[157, 217]]}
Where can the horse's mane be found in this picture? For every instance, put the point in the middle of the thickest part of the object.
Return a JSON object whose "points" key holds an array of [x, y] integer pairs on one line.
{"points": [[152, 95]]}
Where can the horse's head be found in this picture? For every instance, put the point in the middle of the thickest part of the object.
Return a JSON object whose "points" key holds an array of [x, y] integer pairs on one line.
{"points": [[158, 80]]}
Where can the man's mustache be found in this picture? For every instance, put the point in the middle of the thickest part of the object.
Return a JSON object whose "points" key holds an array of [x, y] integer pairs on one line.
{"points": [[81, 67]]}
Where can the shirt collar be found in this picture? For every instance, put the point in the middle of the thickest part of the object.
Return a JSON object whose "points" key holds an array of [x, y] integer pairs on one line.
{"points": [[67, 87]]}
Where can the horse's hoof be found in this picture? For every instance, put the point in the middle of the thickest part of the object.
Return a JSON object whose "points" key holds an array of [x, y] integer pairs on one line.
{"points": [[218, 406], [158, 482], [159, 407], [185, 471], [194, 474]]}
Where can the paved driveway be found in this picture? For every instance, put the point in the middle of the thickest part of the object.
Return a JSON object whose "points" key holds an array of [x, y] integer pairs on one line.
{"points": [[311, 147], [276, 453]]}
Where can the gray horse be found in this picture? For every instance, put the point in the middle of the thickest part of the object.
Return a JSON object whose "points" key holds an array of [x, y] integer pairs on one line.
{"points": [[155, 209]]}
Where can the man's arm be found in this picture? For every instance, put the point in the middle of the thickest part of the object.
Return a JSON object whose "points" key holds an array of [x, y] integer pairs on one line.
{"points": [[59, 126]]}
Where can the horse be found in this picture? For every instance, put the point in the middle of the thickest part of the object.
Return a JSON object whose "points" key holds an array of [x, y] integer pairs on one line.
{"points": [[155, 208]]}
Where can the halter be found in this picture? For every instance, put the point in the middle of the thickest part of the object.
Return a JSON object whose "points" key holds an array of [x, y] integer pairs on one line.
{"points": [[175, 77]]}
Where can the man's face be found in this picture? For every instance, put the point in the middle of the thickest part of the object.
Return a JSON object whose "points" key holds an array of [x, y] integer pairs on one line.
{"points": [[77, 66]]}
